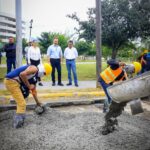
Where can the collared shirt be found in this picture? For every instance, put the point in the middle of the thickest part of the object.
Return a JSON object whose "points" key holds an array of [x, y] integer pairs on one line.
{"points": [[70, 53], [34, 53], [54, 51], [10, 50]]}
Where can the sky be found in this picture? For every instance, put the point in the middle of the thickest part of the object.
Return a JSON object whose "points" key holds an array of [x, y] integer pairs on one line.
{"points": [[49, 15]]}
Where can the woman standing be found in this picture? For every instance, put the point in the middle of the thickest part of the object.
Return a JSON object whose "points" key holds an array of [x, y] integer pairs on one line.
{"points": [[34, 55]]}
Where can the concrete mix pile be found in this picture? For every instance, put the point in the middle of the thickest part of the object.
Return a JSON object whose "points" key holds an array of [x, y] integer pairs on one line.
{"points": [[56, 130]]}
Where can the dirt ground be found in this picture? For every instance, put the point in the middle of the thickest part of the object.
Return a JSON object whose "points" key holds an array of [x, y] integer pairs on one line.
{"points": [[74, 128]]}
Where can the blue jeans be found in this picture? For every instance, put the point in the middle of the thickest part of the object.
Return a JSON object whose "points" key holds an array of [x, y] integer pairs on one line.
{"points": [[71, 65], [10, 62], [108, 100]]}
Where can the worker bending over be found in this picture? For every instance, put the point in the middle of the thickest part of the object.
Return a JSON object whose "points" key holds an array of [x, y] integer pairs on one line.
{"points": [[19, 82], [114, 72], [142, 60], [146, 61]]}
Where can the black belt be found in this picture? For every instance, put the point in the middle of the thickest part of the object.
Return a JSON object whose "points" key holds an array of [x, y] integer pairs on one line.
{"points": [[70, 59], [54, 58]]}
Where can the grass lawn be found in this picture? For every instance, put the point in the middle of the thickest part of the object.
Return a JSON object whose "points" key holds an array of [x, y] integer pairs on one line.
{"points": [[84, 72]]}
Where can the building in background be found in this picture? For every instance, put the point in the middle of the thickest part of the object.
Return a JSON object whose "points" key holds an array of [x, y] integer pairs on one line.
{"points": [[8, 26]]}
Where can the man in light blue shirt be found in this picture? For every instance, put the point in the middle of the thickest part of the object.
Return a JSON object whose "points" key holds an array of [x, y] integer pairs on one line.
{"points": [[54, 53]]}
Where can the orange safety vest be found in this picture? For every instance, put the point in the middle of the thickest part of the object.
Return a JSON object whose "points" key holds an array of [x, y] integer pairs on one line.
{"points": [[109, 75]]}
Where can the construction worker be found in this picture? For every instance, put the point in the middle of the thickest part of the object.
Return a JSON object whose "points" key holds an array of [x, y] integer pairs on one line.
{"points": [[143, 61], [133, 69], [146, 61], [114, 72], [19, 82]]}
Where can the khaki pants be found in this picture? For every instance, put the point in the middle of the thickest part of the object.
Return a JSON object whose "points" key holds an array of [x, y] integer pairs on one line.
{"points": [[14, 88]]}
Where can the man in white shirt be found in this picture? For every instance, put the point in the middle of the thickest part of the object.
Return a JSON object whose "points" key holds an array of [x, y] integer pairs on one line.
{"points": [[54, 53], [70, 55]]}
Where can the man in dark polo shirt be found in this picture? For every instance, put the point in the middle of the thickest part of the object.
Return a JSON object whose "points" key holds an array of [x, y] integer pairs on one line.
{"points": [[10, 50]]}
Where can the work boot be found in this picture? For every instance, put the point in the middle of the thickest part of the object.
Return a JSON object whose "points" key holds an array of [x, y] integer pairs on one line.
{"points": [[60, 84], [53, 84], [68, 84], [19, 120], [76, 85]]}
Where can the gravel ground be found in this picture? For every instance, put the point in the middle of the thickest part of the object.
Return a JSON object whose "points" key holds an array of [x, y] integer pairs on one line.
{"points": [[72, 130]]}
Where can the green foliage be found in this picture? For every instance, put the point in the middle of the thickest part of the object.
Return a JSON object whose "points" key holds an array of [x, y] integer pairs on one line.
{"points": [[127, 50], [83, 47], [24, 43], [46, 40], [122, 20], [106, 51], [146, 43], [86, 28], [1, 46]]}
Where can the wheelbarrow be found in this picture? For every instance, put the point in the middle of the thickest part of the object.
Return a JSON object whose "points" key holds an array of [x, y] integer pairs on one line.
{"points": [[132, 91]]}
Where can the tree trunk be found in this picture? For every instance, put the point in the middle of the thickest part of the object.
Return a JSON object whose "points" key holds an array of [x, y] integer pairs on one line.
{"points": [[114, 54]]}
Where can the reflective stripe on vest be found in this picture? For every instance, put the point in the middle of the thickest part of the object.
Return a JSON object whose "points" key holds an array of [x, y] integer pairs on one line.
{"points": [[109, 75]]}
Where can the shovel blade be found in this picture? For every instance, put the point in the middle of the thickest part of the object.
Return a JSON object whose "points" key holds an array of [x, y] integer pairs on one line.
{"points": [[136, 107]]}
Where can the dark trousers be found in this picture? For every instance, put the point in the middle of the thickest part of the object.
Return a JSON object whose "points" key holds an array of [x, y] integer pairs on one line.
{"points": [[55, 63], [35, 63], [105, 86], [107, 101], [10, 62]]}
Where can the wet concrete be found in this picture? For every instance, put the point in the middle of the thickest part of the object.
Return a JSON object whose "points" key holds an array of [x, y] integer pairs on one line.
{"points": [[111, 122], [73, 128]]}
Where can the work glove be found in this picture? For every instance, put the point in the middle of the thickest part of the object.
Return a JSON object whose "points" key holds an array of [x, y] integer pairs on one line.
{"points": [[19, 120]]}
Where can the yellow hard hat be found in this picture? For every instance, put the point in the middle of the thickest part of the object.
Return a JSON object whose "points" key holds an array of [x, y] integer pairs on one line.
{"points": [[137, 67], [145, 51], [48, 68]]}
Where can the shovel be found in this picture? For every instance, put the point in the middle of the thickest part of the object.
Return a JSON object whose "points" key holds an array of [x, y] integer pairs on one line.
{"points": [[40, 109], [136, 107]]}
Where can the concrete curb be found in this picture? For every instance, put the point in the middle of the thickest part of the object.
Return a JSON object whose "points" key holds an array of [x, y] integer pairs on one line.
{"points": [[60, 103], [64, 94]]}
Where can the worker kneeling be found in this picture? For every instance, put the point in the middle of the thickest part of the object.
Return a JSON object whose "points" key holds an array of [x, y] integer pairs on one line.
{"points": [[20, 82], [114, 72]]}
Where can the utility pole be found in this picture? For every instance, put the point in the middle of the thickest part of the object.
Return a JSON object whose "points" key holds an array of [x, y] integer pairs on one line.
{"points": [[18, 33], [31, 21], [98, 40]]}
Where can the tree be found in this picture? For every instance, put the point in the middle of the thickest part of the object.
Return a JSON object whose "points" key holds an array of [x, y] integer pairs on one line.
{"points": [[24, 44], [87, 28], [46, 40], [122, 20], [146, 43], [83, 47]]}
